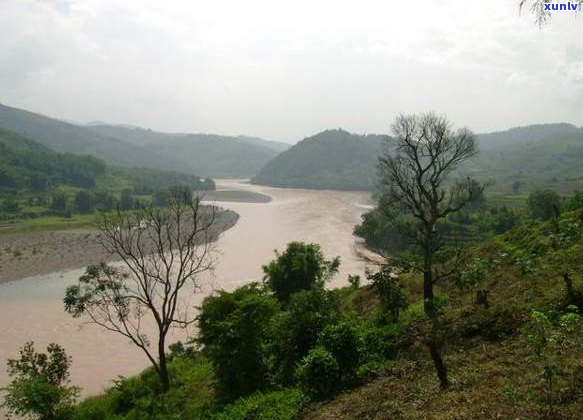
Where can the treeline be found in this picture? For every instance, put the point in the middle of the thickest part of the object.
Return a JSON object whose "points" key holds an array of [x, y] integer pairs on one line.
{"points": [[27, 166], [67, 203], [36, 181], [478, 221], [333, 159]]}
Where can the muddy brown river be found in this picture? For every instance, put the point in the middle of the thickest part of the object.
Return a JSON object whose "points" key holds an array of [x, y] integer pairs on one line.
{"points": [[32, 309]]}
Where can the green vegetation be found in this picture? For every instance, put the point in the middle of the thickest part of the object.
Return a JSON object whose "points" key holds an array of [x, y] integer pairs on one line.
{"points": [[300, 267], [38, 183], [333, 159], [39, 387], [347, 353], [207, 154], [514, 162]]}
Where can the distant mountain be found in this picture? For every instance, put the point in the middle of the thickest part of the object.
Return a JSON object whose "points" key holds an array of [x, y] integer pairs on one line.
{"points": [[203, 154], [333, 159], [28, 166], [207, 154], [65, 137], [543, 155]]}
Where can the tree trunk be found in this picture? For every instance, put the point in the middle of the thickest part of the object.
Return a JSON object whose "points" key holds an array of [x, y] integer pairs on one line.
{"points": [[569, 285], [430, 310], [164, 376], [482, 298], [435, 351]]}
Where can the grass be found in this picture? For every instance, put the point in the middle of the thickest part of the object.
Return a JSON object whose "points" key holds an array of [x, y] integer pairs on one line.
{"points": [[495, 374], [48, 223]]}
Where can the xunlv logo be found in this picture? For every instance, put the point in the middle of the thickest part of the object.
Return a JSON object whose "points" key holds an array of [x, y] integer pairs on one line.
{"points": [[561, 6]]}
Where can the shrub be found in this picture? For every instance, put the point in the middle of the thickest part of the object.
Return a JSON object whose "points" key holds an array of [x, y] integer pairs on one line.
{"points": [[300, 267], [39, 387], [319, 374], [294, 332], [233, 331], [342, 341], [281, 405]]}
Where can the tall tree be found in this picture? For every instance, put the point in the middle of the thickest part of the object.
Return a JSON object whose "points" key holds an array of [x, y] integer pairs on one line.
{"points": [[414, 175], [163, 251]]}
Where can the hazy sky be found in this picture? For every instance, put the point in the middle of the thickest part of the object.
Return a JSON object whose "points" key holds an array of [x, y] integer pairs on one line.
{"points": [[286, 70]]}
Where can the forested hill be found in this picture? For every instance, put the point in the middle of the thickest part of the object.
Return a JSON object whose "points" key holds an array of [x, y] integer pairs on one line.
{"points": [[515, 160], [332, 159], [207, 154], [65, 137], [523, 158], [27, 165], [203, 154]]}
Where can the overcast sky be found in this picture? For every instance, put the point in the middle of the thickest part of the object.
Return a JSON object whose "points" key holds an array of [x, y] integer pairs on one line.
{"points": [[286, 70]]}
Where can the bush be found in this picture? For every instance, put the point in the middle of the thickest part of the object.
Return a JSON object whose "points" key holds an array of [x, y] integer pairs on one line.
{"points": [[319, 374], [342, 341], [300, 267], [294, 332], [281, 405], [39, 387], [233, 332]]}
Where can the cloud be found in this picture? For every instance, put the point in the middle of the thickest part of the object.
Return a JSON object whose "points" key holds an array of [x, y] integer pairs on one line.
{"points": [[283, 70]]}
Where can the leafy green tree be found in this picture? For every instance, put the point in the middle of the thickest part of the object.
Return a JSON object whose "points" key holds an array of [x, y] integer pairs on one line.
{"points": [[295, 331], [415, 171], [160, 198], [83, 202], [233, 330], [10, 205], [59, 203], [126, 201], [318, 374], [104, 201], [343, 342], [300, 267], [392, 297], [39, 387], [544, 204]]}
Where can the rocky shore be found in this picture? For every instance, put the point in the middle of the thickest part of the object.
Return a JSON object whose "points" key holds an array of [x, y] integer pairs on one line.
{"points": [[32, 254]]}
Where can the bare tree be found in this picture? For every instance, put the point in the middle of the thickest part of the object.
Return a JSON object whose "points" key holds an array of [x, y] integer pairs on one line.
{"points": [[414, 174], [541, 9], [163, 250]]}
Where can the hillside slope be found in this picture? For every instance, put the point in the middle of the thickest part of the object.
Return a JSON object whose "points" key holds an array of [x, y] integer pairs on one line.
{"points": [[332, 159], [549, 155], [26, 165], [543, 155], [65, 137], [207, 154]]}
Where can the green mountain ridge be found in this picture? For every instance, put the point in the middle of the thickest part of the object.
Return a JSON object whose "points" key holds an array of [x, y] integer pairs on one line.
{"points": [[332, 159], [205, 154], [541, 155], [208, 154]]}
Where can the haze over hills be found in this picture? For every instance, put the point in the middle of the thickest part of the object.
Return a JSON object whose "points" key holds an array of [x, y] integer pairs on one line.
{"points": [[332, 159], [208, 154], [203, 154], [541, 155], [536, 155], [66, 137]]}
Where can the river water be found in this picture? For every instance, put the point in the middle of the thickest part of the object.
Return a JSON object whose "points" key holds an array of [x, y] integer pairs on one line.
{"points": [[32, 309]]}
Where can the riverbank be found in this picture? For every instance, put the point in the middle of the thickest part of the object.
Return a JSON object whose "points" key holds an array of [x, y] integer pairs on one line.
{"points": [[33, 253]]}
